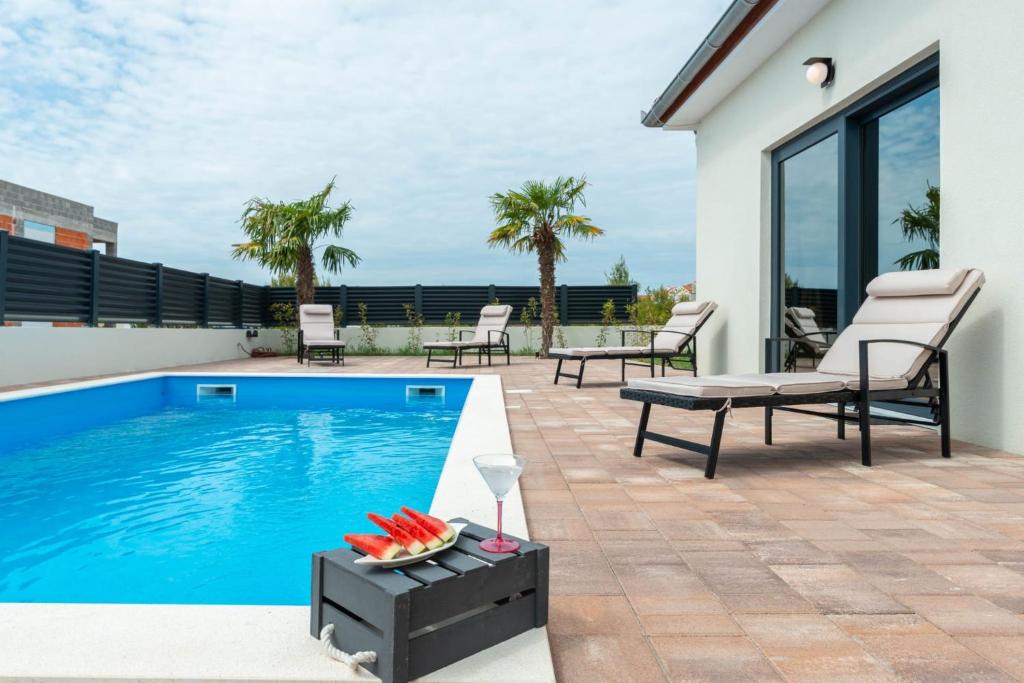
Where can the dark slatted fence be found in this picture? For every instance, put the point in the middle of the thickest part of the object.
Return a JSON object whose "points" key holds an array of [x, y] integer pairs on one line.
{"points": [[40, 281]]}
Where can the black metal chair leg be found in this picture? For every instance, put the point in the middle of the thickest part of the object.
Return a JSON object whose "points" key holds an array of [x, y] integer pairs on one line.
{"points": [[579, 379], [558, 370], [429, 353], [944, 405], [864, 406], [865, 431], [508, 355], [716, 444], [767, 425], [841, 428], [638, 445], [662, 367], [623, 369]]}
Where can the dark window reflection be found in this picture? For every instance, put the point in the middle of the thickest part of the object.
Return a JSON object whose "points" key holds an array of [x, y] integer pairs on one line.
{"points": [[908, 163], [810, 230]]}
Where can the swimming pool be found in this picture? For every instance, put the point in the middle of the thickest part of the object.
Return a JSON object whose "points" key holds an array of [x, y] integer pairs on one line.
{"points": [[192, 489]]}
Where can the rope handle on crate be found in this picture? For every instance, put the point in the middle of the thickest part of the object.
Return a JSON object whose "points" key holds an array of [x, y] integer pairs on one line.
{"points": [[352, 661]]}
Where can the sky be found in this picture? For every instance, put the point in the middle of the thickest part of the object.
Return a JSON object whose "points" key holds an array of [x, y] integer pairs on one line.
{"points": [[168, 116]]}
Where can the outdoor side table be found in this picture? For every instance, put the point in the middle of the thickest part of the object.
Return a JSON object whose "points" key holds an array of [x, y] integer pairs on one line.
{"points": [[424, 616]]}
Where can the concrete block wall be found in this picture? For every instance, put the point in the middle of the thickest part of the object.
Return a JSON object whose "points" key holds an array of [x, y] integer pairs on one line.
{"points": [[76, 225]]}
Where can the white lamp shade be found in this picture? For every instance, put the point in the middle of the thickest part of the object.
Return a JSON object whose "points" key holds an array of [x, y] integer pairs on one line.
{"points": [[817, 73]]}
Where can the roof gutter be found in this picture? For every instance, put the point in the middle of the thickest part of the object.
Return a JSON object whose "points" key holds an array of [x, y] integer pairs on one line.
{"points": [[732, 27]]}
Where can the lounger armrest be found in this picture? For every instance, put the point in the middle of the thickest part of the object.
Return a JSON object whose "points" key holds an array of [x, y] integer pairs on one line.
{"points": [[865, 345], [653, 334], [462, 332], [502, 337]]}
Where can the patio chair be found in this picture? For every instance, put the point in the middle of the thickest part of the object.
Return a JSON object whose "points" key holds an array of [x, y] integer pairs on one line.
{"points": [[490, 335], [883, 355], [802, 326], [676, 338], [317, 333]]}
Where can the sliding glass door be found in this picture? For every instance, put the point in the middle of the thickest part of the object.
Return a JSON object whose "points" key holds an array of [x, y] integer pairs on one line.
{"points": [[855, 196], [810, 228]]}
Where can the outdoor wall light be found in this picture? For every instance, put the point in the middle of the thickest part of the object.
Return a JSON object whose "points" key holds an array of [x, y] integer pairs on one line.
{"points": [[820, 71]]}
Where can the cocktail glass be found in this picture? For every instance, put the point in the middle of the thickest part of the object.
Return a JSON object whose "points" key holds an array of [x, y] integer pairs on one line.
{"points": [[500, 471]]}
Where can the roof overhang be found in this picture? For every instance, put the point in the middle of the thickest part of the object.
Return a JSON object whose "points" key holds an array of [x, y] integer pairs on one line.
{"points": [[748, 33]]}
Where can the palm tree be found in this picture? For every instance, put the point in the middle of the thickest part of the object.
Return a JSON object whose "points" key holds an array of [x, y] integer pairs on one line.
{"points": [[921, 223], [534, 219], [283, 237]]}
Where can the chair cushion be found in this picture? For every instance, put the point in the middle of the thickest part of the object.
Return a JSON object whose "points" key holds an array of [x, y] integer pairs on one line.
{"points": [[923, 318], [875, 384], [316, 322], [720, 386], [686, 317], [631, 350], [578, 352], [689, 307], [941, 281], [797, 382], [493, 320], [801, 312], [467, 344], [323, 343]]}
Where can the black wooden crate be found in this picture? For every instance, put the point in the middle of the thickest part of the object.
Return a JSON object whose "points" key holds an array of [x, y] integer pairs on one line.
{"points": [[424, 616]]}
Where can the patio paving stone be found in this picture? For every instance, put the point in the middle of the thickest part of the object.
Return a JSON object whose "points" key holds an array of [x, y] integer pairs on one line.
{"points": [[795, 563]]}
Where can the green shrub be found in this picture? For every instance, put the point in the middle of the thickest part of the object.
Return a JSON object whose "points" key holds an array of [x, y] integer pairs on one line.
{"points": [[367, 332], [284, 322]]}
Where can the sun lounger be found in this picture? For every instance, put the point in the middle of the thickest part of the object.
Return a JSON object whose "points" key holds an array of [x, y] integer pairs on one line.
{"points": [[489, 336], [883, 355], [802, 327], [317, 333], [676, 338]]}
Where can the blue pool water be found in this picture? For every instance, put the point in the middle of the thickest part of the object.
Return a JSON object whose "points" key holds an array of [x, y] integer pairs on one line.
{"points": [[144, 492]]}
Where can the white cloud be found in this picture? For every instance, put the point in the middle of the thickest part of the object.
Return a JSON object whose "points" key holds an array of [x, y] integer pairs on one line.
{"points": [[168, 116]]}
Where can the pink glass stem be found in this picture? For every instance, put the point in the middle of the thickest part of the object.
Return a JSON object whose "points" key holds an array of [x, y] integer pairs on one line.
{"points": [[500, 537]]}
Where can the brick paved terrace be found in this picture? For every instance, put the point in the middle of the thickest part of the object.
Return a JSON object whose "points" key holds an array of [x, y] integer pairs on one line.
{"points": [[794, 564]]}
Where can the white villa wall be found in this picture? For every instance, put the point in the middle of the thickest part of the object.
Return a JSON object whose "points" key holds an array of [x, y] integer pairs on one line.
{"points": [[41, 354], [29, 355], [982, 143]]}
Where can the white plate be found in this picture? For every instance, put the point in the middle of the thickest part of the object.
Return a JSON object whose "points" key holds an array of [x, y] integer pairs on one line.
{"points": [[403, 558]]}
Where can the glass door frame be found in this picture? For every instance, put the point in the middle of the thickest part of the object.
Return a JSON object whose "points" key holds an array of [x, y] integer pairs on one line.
{"points": [[856, 128]]}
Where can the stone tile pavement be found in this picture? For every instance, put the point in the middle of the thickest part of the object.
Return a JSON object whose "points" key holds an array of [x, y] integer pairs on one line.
{"points": [[794, 564]]}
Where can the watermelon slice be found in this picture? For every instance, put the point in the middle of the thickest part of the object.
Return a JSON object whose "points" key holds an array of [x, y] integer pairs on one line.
{"points": [[438, 527], [381, 547], [425, 537], [408, 541]]}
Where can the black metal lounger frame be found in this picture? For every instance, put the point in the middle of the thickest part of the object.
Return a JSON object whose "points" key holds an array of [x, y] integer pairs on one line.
{"points": [[628, 359], [920, 386], [481, 349], [305, 351]]}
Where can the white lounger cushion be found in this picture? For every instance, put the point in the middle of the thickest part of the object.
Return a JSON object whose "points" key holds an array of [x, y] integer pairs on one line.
{"points": [[784, 383], [467, 344], [890, 313], [317, 324], [807, 323], [493, 321], [686, 317], [582, 351], [718, 386]]}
